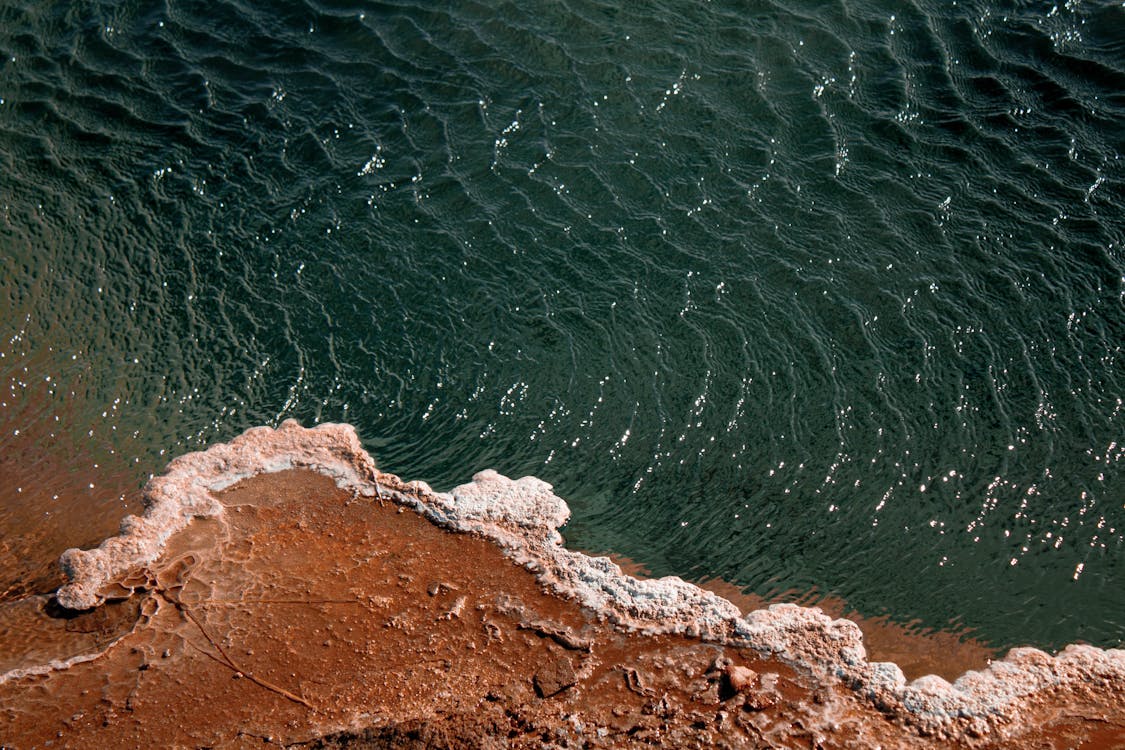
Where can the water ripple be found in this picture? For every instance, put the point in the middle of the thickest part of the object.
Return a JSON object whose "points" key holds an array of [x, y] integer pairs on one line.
{"points": [[792, 297]]}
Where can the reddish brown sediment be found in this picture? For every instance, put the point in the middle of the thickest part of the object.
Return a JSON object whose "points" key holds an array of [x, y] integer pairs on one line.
{"points": [[285, 608], [44, 476], [308, 612], [38, 516]]}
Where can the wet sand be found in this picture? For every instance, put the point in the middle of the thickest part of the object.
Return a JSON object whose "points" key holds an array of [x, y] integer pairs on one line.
{"points": [[299, 613]]}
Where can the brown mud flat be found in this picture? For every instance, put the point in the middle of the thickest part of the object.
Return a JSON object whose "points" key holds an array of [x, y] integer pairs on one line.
{"points": [[323, 614], [301, 614]]}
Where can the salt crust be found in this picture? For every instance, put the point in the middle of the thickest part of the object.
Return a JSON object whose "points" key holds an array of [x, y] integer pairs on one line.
{"points": [[523, 517], [54, 665]]}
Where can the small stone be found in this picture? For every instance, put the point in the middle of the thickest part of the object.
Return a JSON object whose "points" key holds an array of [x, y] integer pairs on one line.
{"points": [[766, 695], [454, 611], [554, 677], [756, 700], [718, 665], [741, 678]]}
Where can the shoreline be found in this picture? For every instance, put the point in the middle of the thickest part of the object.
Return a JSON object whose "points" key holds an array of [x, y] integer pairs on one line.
{"points": [[917, 650], [1012, 698]]}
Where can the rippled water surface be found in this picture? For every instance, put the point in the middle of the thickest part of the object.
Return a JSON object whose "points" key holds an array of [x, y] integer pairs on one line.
{"points": [[806, 296]]}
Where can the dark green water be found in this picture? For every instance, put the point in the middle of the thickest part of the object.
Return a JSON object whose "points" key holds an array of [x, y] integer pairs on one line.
{"points": [[801, 295]]}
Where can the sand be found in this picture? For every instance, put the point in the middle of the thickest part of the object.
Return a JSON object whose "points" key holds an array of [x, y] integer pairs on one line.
{"points": [[280, 589]]}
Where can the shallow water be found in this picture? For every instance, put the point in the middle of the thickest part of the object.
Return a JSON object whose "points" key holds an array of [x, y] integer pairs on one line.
{"points": [[802, 297]]}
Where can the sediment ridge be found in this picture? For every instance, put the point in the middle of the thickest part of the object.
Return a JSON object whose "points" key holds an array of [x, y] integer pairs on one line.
{"points": [[795, 675]]}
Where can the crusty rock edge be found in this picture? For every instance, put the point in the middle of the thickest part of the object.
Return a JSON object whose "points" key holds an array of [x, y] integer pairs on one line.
{"points": [[523, 517]]}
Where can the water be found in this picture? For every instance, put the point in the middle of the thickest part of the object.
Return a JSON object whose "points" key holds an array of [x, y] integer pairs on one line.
{"points": [[804, 296]]}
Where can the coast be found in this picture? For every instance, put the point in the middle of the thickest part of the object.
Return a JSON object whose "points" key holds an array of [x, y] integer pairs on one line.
{"points": [[280, 588]]}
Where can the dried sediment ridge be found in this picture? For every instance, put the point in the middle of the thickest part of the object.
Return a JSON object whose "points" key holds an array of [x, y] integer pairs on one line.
{"points": [[523, 516]]}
